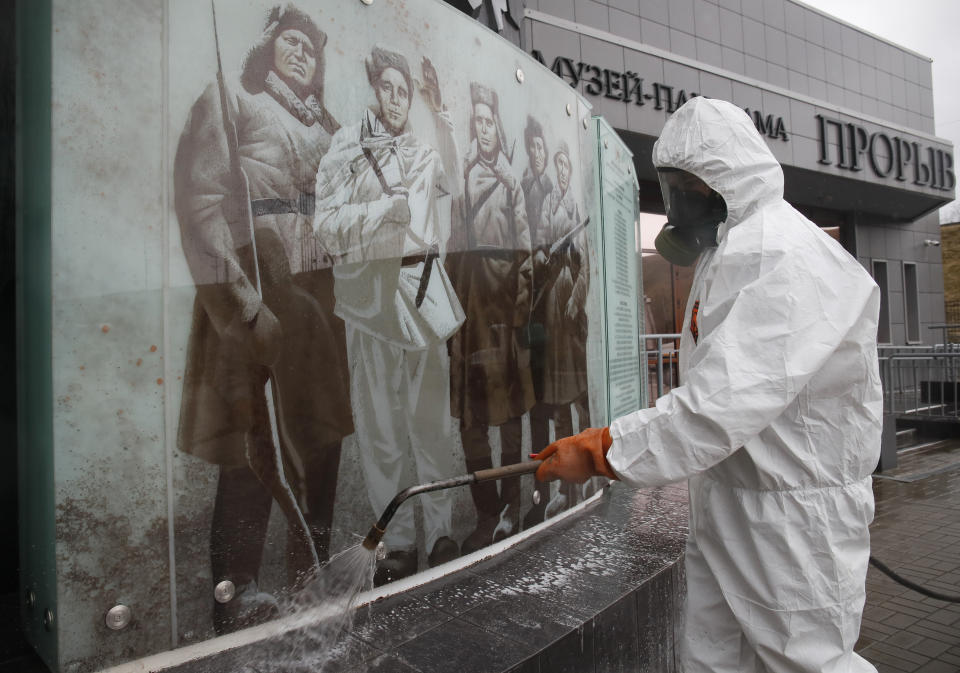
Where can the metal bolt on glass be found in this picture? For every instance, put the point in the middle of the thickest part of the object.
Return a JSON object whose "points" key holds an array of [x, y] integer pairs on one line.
{"points": [[31, 599], [224, 591], [569, 109], [520, 75], [48, 619], [536, 497], [118, 617]]}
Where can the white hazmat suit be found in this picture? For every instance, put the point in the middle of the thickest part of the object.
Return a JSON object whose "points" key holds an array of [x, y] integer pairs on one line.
{"points": [[777, 421]]}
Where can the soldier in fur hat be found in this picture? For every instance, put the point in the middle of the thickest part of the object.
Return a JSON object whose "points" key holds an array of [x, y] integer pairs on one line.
{"points": [[263, 314], [560, 305], [492, 384]]}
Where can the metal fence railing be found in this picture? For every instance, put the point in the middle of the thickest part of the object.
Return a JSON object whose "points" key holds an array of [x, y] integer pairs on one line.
{"points": [[917, 380], [660, 359], [921, 380]]}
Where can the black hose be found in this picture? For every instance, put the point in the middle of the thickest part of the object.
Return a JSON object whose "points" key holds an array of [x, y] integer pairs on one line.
{"points": [[882, 567]]}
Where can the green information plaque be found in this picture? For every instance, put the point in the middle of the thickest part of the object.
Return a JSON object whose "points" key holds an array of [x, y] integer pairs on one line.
{"points": [[623, 322]]}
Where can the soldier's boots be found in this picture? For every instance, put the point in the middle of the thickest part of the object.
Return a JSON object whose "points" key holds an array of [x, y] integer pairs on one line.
{"points": [[397, 564], [248, 607], [444, 549], [509, 522]]}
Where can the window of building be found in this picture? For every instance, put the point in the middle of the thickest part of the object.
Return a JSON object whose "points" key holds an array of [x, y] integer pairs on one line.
{"points": [[880, 276], [911, 302]]}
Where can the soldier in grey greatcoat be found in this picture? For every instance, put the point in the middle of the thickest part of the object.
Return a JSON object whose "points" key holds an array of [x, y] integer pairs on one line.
{"points": [[263, 315], [560, 262], [537, 186], [493, 277]]}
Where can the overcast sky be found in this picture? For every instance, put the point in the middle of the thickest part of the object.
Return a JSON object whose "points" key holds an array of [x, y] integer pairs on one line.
{"points": [[928, 27]]}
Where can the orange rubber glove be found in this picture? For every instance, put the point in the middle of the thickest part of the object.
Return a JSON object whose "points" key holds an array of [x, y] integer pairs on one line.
{"points": [[577, 458]]}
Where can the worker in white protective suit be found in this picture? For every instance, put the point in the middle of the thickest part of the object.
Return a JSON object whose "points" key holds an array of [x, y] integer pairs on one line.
{"points": [[777, 421]]}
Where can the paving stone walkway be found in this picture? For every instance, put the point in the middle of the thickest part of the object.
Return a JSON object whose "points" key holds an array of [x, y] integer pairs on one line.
{"points": [[916, 532]]}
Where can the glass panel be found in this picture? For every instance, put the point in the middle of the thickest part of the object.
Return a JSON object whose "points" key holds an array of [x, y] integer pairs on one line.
{"points": [[416, 219]]}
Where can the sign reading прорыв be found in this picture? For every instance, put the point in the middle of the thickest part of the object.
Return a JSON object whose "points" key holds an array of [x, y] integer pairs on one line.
{"points": [[853, 148]]}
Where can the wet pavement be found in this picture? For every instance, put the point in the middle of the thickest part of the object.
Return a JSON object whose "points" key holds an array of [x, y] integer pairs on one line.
{"points": [[916, 532]]}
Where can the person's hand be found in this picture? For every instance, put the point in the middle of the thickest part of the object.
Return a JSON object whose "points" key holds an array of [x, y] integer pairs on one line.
{"points": [[576, 459], [399, 208], [540, 257], [504, 172], [266, 336], [430, 86]]}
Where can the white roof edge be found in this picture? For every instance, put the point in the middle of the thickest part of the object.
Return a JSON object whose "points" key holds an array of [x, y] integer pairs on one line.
{"points": [[861, 30], [607, 36]]}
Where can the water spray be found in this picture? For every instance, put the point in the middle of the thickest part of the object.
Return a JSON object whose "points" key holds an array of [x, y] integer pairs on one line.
{"points": [[380, 527]]}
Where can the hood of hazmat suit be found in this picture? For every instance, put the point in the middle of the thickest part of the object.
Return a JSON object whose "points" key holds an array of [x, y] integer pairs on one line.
{"points": [[777, 422]]}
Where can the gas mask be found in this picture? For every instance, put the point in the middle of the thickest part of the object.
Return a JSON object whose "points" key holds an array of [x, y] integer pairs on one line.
{"points": [[694, 213]]}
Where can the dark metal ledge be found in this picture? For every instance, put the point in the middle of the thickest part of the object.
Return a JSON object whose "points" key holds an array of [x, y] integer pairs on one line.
{"points": [[599, 591]]}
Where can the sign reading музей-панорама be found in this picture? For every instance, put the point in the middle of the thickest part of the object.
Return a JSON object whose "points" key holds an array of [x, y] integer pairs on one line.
{"points": [[630, 87], [853, 147]]}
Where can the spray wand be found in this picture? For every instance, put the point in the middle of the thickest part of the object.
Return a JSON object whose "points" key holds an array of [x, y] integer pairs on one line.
{"points": [[380, 527]]}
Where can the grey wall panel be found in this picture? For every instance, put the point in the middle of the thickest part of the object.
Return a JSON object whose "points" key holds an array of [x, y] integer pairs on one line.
{"points": [[795, 16], [656, 10], [753, 8], [655, 34], [731, 29], [629, 6], [707, 20], [849, 42], [626, 24], [867, 50], [774, 13], [813, 28], [818, 88], [756, 67], [798, 82], [681, 15], [834, 66], [753, 43], [709, 52], [777, 75], [592, 14], [733, 61], [715, 87], [683, 43], [816, 61], [776, 45], [796, 53], [868, 80]]}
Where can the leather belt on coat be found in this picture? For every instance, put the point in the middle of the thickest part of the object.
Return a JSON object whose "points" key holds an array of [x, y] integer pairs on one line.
{"points": [[305, 204]]}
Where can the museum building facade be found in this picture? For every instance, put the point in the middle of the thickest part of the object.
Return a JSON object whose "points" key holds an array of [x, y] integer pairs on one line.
{"points": [[848, 114]]}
